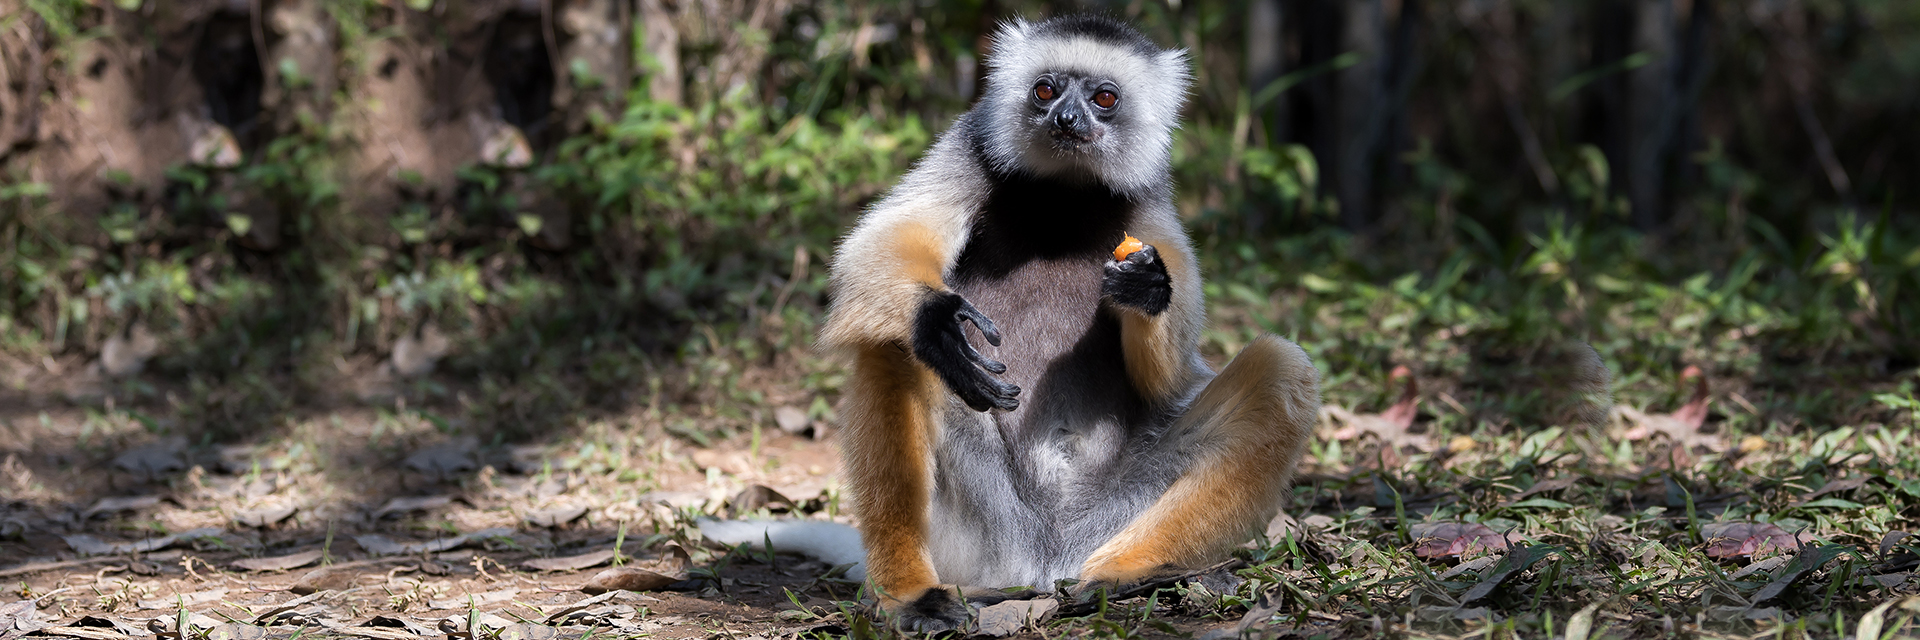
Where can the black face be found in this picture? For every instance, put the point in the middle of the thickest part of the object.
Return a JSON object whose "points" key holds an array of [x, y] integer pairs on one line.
{"points": [[1075, 109]]}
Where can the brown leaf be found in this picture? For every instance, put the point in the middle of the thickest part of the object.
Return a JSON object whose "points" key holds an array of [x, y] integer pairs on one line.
{"points": [[475, 599], [1682, 426], [1737, 539], [1449, 539], [1836, 486], [570, 563], [756, 496], [627, 578], [334, 578], [112, 506], [1012, 616], [1389, 426], [262, 517], [279, 563], [408, 504]]}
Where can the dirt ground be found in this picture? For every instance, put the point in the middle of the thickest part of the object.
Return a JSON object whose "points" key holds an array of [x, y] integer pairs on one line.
{"points": [[372, 523]]}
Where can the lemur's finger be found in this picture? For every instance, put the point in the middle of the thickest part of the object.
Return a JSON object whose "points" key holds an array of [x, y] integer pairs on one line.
{"points": [[1144, 256], [987, 363], [969, 313]]}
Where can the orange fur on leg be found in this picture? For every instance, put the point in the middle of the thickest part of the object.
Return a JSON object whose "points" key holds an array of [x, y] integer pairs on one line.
{"points": [[1251, 425], [887, 448]]}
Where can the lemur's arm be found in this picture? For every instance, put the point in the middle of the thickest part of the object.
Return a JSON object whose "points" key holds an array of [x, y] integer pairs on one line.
{"points": [[1156, 294], [900, 324]]}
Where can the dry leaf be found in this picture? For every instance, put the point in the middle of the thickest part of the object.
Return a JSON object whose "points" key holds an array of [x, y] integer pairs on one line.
{"points": [[262, 517], [570, 563], [556, 516], [791, 419], [408, 504], [279, 563], [334, 578], [474, 600], [1389, 426], [1013, 616], [191, 599], [1682, 427], [1737, 539], [627, 578], [1449, 539], [756, 496]]}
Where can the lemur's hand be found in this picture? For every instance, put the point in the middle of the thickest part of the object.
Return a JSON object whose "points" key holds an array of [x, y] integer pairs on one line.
{"points": [[940, 342], [1140, 281]]}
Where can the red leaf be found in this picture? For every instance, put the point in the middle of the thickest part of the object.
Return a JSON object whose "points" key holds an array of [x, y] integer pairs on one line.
{"points": [[1449, 539]]}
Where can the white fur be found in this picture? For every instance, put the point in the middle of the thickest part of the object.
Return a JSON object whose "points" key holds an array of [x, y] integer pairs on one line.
{"points": [[830, 542], [1152, 88]]}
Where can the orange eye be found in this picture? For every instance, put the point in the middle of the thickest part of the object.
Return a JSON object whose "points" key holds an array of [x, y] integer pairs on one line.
{"points": [[1105, 99], [1043, 91]]}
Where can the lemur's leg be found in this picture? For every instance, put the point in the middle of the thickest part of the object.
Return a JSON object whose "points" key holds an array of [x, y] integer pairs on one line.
{"points": [[1243, 434]]}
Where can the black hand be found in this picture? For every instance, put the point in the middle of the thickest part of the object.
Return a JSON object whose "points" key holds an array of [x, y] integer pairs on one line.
{"points": [[1140, 281], [940, 342]]}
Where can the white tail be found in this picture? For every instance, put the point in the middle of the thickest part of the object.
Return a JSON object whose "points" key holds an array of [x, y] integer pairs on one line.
{"points": [[830, 542]]}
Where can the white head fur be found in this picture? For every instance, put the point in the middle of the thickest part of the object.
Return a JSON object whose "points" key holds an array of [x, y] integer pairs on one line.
{"points": [[1129, 147]]}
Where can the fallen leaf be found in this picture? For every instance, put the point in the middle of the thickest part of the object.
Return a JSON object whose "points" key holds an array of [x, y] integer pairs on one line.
{"points": [[154, 461], [18, 619], [395, 622], [409, 504], [626, 578], [268, 616], [88, 545], [112, 506], [334, 578], [443, 460], [1737, 539], [525, 631], [570, 563], [1682, 427], [235, 631], [756, 496], [1391, 425], [1449, 539], [1013, 616], [791, 419], [556, 516], [191, 599], [1838, 485], [279, 563], [262, 517], [1581, 623], [474, 599]]}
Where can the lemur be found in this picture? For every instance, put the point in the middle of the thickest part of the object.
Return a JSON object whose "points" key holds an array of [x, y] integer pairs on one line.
{"points": [[1023, 406]]}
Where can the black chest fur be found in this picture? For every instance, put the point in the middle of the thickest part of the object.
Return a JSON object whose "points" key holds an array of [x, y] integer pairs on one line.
{"points": [[1034, 264]]}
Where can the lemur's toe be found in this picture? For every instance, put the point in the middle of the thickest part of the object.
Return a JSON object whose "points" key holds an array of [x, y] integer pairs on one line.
{"points": [[935, 611]]}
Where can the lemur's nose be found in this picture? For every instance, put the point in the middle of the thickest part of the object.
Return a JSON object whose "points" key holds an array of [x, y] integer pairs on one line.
{"points": [[1066, 119]]}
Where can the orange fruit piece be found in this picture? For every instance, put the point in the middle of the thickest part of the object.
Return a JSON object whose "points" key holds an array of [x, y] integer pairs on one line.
{"points": [[1128, 247]]}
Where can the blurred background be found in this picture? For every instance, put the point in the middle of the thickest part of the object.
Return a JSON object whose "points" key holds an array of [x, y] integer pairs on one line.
{"points": [[380, 248], [512, 216]]}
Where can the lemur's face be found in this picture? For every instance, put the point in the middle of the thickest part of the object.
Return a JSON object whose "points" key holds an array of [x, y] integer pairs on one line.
{"points": [[1075, 111]]}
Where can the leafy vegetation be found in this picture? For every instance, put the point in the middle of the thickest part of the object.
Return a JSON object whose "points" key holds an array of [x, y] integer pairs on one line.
{"points": [[651, 278]]}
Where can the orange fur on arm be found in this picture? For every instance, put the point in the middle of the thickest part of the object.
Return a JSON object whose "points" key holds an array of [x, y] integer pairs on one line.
{"points": [[879, 278], [1156, 346]]}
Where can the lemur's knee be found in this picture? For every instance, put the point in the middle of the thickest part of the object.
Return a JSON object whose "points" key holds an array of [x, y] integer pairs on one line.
{"points": [[1270, 386]]}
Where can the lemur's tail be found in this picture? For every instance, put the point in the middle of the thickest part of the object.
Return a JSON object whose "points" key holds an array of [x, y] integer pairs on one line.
{"points": [[830, 542]]}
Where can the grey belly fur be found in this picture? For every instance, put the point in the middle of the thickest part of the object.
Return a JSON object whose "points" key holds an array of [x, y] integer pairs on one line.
{"points": [[1022, 498]]}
